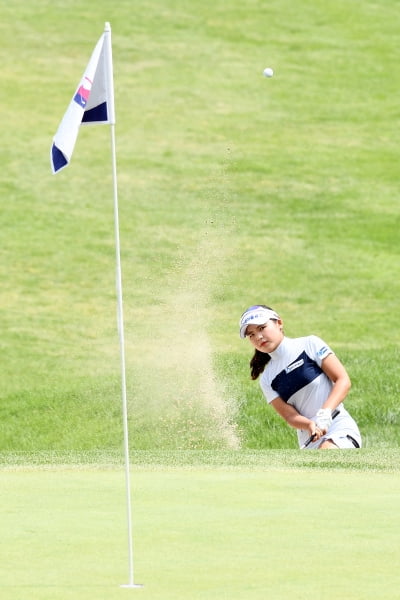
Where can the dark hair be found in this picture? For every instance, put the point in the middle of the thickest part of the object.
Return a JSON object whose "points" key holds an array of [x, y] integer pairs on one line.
{"points": [[259, 359], [258, 363]]}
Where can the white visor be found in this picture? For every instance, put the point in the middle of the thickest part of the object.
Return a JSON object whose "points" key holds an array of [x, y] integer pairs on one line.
{"points": [[255, 315]]}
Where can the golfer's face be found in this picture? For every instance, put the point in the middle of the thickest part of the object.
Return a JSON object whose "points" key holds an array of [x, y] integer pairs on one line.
{"points": [[266, 337]]}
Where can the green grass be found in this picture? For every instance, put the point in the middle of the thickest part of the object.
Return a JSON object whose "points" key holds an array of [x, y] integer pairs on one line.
{"points": [[373, 460], [229, 531], [233, 189]]}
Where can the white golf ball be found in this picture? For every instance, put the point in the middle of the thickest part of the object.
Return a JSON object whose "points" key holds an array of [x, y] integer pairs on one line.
{"points": [[268, 72]]}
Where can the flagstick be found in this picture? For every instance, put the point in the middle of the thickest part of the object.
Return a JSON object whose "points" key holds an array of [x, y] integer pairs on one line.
{"points": [[100, 72], [131, 583], [110, 94]]}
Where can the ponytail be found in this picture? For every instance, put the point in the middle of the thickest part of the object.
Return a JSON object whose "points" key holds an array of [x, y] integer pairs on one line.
{"points": [[258, 363]]}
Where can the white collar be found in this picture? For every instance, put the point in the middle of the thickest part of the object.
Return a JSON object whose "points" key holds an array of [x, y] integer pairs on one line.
{"points": [[279, 352]]}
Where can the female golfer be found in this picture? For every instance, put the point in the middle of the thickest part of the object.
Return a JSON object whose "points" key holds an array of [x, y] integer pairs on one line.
{"points": [[302, 379]]}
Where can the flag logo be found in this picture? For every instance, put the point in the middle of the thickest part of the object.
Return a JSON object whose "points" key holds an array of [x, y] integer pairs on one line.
{"points": [[82, 94]]}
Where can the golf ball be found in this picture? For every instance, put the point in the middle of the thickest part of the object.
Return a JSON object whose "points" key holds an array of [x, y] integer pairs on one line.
{"points": [[268, 72]]}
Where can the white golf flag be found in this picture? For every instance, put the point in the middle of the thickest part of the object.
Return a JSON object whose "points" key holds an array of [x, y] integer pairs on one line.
{"points": [[93, 102]]}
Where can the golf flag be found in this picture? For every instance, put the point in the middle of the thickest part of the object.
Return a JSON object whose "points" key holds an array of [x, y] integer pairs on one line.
{"points": [[93, 102]]}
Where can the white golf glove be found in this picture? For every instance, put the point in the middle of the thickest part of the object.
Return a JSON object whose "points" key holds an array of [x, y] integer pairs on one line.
{"points": [[323, 419]]}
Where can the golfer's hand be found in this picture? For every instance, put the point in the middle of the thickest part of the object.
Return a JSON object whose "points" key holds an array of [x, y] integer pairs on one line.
{"points": [[323, 419], [315, 431]]}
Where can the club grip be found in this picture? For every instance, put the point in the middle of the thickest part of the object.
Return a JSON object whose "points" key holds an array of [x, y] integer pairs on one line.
{"points": [[310, 439]]}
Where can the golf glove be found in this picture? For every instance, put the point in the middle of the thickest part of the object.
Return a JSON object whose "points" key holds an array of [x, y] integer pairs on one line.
{"points": [[323, 419]]}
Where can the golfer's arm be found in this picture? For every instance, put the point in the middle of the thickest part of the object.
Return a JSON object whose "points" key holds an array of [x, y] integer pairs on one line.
{"points": [[290, 414], [336, 372]]}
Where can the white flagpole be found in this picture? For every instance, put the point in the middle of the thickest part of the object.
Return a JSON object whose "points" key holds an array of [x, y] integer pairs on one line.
{"points": [[120, 315]]}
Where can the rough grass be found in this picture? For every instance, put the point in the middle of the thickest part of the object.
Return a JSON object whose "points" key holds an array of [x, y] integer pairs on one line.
{"points": [[233, 189], [373, 460]]}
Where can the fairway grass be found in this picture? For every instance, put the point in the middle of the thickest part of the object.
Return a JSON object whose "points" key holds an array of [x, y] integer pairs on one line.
{"points": [[201, 531]]}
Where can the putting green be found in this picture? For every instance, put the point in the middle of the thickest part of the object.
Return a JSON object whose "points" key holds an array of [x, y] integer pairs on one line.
{"points": [[200, 533]]}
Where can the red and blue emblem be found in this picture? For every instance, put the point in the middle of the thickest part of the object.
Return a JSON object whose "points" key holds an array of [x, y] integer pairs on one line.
{"points": [[83, 92]]}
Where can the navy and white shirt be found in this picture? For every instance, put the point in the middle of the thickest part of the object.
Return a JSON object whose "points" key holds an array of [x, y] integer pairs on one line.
{"points": [[294, 374]]}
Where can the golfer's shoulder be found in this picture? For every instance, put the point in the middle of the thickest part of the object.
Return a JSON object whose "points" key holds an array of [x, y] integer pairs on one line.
{"points": [[316, 347], [311, 344], [303, 342], [313, 340]]}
